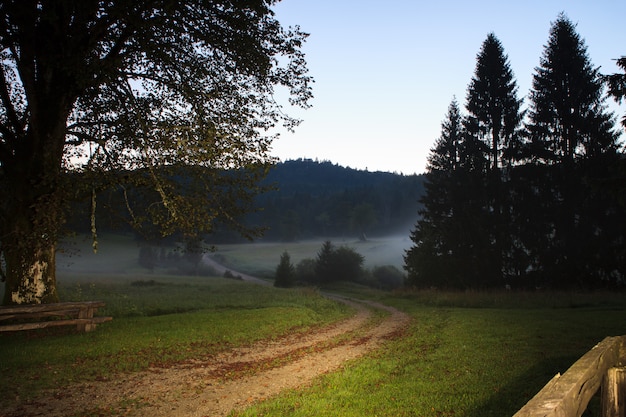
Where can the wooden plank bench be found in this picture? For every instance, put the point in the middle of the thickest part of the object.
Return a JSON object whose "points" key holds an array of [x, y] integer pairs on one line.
{"points": [[39, 316]]}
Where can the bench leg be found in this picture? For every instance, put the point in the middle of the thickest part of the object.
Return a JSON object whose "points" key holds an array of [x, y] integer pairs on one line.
{"points": [[86, 313]]}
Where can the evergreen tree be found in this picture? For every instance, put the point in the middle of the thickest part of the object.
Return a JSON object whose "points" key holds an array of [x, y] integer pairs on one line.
{"points": [[572, 140], [435, 259], [285, 272], [492, 102], [568, 116], [617, 84], [324, 263], [494, 119]]}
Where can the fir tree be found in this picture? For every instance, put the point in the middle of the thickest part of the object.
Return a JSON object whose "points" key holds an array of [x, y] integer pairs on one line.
{"points": [[568, 116], [285, 272], [492, 101], [572, 141], [494, 121], [435, 259]]}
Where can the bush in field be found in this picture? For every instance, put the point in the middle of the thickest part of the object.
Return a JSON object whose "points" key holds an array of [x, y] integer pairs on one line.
{"points": [[388, 277], [285, 272], [338, 264], [305, 271]]}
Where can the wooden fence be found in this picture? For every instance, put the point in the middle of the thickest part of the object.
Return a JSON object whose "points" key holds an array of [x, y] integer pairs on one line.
{"points": [[39, 316], [569, 394]]}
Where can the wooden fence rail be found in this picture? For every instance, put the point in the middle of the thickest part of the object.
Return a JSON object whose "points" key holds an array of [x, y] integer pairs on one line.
{"points": [[569, 394], [39, 316]]}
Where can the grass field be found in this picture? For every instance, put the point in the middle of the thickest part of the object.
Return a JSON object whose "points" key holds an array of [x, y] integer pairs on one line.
{"points": [[456, 362], [465, 354]]}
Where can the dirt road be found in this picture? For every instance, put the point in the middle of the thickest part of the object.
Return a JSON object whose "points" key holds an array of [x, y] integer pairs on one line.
{"points": [[235, 379]]}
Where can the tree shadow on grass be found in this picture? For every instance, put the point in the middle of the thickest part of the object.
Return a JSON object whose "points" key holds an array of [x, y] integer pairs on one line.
{"points": [[510, 398]]}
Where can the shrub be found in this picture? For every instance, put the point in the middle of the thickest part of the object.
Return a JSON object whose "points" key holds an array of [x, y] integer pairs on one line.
{"points": [[305, 271], [338, 264], [388, 277]]}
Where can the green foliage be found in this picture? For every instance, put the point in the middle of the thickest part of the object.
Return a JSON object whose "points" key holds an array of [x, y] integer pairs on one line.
{"points": [[524, 206], [617, 84], [305, 271], [388, 277], [315, 199], [285, 272], [338, 264], [159, 92]]}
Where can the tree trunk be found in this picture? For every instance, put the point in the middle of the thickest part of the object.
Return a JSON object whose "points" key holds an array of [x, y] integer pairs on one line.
{"points": [[29, 244], [32, 220], [30, 276]]}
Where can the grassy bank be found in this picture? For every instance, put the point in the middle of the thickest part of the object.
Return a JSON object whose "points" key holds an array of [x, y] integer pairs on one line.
{"points": [[458, 361], [158, 320]]}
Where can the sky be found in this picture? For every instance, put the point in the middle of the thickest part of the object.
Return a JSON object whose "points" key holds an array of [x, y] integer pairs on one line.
{"points": [[386, 71]]}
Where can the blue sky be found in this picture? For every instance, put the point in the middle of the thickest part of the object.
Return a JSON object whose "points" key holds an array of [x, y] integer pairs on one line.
{"points": [[386, 71]]}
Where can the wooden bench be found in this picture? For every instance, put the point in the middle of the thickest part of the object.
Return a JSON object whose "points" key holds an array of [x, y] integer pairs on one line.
{"points": [[39, 316]]}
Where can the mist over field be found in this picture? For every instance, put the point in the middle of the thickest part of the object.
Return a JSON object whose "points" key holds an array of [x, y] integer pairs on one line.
{"points": [[118, 255]]}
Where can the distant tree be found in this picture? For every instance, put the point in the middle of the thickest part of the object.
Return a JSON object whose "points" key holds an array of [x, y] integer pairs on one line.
{"points": [[290, 225], [132, 96], [573, 142], [324, 263], [363, 217], [388, 277], [338, 264], [347, 264], [305, 271], [285, 272]]}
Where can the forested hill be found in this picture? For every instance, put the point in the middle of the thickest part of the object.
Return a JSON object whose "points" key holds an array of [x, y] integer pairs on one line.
{"points": [[322, 199]]}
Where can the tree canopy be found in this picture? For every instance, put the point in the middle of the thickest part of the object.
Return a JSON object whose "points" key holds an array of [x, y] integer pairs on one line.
{"points": [[521, 200], [125, 95]]}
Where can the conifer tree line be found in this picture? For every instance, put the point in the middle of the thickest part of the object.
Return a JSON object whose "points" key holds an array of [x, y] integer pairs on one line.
{"points": [[526, 198]]}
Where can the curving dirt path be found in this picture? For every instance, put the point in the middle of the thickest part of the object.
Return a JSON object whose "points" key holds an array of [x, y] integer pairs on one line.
{"points": [[215, 386]]}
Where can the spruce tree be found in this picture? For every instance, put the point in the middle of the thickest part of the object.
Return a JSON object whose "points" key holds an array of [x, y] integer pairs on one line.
{"points": [[494, 122], [435, 259], [617, 84], [492, 102], [568, 116], [572, 138], [285, 272]]}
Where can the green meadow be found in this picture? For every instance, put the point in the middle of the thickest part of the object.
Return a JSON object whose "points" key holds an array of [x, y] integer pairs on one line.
{"points": [[464, 354]]}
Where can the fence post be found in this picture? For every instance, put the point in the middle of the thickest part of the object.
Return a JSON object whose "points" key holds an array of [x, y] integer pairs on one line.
{"points": [[614, 393]]}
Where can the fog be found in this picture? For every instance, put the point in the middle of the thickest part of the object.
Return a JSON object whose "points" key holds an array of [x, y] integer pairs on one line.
{"points": [[118, 255]]}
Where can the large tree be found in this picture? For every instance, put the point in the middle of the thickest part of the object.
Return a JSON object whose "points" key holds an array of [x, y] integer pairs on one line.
{"points": [[492, 102], [494, 118], [572, 139], [137, 94], [442, 236]]}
